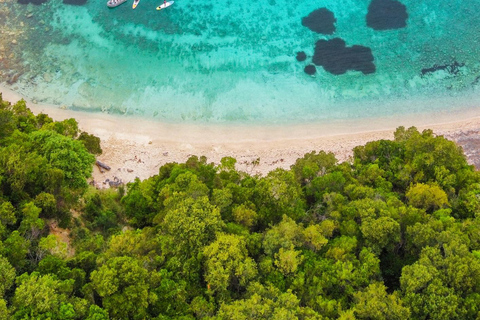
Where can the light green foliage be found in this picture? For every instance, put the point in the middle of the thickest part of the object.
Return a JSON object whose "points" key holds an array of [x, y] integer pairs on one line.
{"points": [[97, 313], [375, 303], [66, 154], [54, 246], [192, 224], [435, 285], [15, 249], [38, 296], [245, 216], [278, 194], [123, 283], [47, 203], [285, 235], [428, 197], [31, 224], [7, 213], [140, 244], [7, 275], [381, 233], [227, 264], [67, 127], [186, 185], [288, 260], [314, 237], [3, 310], [266, 303], [313, 164]]}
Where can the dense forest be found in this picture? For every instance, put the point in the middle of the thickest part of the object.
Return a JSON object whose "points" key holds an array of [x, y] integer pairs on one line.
{"points": [[392, 234]]}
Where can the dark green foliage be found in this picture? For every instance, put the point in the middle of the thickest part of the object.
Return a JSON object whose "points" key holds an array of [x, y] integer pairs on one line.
{"points": [[393, 234], [91, 142]]}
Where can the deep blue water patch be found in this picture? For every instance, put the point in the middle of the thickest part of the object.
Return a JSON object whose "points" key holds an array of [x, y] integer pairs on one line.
{"points": [[335, 57], [387, 15], [301, 56], [310, 69], [320, 21]]}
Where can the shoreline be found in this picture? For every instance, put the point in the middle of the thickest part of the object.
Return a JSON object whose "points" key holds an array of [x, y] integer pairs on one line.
{"points": [[138, 147]]}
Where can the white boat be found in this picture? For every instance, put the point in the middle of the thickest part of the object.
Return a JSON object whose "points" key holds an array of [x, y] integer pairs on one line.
{"points": [[164, 5], [135, 3], [114, 3]]}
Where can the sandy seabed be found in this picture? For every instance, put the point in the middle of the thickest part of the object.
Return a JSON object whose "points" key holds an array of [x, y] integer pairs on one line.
{"points": [[137, 147]]}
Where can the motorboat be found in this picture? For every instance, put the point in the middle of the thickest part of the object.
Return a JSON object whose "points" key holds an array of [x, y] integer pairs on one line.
{"points": [[114, 3]]}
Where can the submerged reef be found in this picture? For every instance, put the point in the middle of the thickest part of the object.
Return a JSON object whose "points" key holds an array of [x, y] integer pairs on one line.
{"points": [[320, 21], [386, 15], [453, 68], [310, 69], [336, 58], [35, 2], [75, 2], [301, 56]]}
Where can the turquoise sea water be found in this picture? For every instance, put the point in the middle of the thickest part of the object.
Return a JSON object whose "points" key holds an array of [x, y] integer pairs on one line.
{"points": [[234, 61]]}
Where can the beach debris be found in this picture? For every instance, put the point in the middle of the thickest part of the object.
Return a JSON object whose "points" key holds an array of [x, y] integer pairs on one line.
{"points": [[13, 78], [116, 182], [165, 153], [129, 170], [102, 166]]}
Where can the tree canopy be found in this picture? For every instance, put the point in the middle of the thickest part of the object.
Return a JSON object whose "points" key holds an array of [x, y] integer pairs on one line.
{"points": [[392, 234]]}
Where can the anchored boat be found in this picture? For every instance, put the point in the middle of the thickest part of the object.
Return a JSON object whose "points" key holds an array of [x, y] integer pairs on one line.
{"points": [[114, 3]]}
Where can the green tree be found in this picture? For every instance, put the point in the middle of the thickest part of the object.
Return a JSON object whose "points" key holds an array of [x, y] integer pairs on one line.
{"points": [[16, 249], [7, 275], [227, 264], [375, 303], [276, 195], [91, 143], [191, 223], [40, 297], [381, 233], [124, 285], [428, 197], [266, 302]]}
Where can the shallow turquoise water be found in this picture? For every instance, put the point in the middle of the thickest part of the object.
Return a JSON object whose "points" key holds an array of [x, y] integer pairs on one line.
{"points": [[225, 60]]}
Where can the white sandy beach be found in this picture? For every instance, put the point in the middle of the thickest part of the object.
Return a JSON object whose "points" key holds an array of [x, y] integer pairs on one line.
{"points": [[136, 147]]}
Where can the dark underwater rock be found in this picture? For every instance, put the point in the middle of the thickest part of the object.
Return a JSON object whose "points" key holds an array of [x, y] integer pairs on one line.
{"points": [[35, 2], [320, 21], [386, 15], [336, 58], [453, 68], [310, 69], [301, 56], [75, 2]]}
